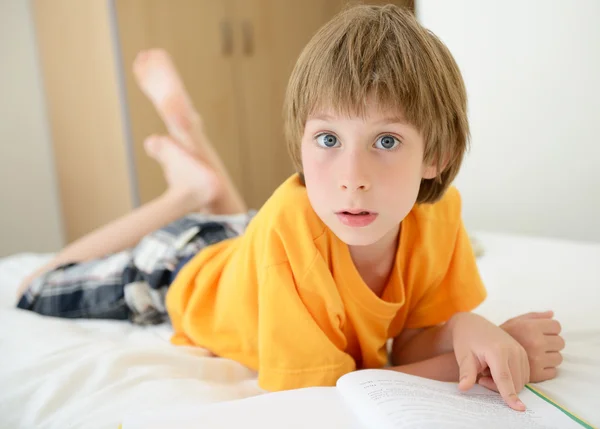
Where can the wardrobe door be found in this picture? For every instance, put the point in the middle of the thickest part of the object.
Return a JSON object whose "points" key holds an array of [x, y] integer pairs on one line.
{"points": [[79, 72], [335, 6], [198, 34], [272, 34]]}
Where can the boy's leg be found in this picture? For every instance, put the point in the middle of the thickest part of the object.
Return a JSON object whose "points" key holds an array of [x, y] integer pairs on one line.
{"points": [[159, 80], [93, 278], [197, 178], [192, 186]]}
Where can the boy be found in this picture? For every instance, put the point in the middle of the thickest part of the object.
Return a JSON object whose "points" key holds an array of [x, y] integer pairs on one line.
{"points": [[364, 244]]}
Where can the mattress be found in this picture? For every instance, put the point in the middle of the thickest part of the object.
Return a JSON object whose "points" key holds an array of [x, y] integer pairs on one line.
{"points": [[89, 374]]}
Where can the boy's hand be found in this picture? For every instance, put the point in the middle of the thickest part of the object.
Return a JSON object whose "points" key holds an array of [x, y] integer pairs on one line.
{"points": [[538, 333], [480, 345]]}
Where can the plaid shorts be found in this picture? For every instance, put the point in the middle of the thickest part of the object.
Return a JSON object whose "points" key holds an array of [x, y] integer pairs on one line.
{"points": [[132, 284]]}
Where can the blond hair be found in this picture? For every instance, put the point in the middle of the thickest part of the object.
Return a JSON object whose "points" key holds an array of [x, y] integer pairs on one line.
{"points": [[382, 51]]}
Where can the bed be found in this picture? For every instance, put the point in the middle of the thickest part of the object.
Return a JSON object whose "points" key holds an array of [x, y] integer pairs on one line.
{"points": [[89, 374]]}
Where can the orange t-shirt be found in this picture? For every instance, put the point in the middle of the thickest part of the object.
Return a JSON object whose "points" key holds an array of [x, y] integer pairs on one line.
{"points": [[285, 298]]}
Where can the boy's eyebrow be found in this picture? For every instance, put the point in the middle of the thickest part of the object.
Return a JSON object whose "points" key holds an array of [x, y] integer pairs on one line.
{"points": [[392, 120], [384, 121], [320, 116]]}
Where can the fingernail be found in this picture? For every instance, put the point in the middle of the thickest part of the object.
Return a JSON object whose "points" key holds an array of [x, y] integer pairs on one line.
{"points": [[520, 404]]}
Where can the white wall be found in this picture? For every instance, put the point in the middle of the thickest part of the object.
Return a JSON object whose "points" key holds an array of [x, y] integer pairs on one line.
{"points": [[532, 70], [29, 205]]}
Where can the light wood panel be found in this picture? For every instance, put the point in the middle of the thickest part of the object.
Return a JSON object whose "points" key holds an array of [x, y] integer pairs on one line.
{"points": [[272, 34], [80, 82], [192, 31]]}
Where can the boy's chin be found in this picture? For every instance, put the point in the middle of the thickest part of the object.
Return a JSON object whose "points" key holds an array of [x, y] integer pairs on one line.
{"points": [[356, 236]]}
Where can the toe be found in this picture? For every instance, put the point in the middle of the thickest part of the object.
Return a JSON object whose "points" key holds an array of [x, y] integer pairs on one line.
{"points": [[159, 56], [139, 63], [153, 146]]}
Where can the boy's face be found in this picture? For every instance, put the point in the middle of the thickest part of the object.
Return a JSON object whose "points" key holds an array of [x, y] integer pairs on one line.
{"points": [[362, 175]]}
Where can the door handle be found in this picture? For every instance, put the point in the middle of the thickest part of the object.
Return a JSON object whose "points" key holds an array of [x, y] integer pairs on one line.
{"points": [[226, 39], [247, 38]]}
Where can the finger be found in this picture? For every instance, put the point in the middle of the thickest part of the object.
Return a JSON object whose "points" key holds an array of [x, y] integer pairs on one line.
{"points": [[552, 360], [525, 372], [539, 315], [554, 343], [488, 383], [548, 373], [550, 326], [543, 374], [504, 381], [518, 370], [467, 369]]}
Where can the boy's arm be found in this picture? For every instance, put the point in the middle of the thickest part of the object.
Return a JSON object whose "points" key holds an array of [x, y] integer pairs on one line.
{"points": [[538, 333], [121, 233], [477, 345], [441, 368], [414, 345]]}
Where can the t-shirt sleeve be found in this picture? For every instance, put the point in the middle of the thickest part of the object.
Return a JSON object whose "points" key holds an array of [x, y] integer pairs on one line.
{"points": [[460, 289], [298, 346]]}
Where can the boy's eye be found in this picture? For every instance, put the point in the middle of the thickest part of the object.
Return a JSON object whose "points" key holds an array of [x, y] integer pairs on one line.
{"points": [[387, 142], [327, 140]]}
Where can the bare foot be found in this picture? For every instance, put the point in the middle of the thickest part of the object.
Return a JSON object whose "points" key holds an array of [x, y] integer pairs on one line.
{"points": [[183, 171], [158, 79]]}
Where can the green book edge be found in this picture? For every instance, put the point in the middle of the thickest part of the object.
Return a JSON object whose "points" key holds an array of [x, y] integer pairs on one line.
{"points": [[564, 410]]}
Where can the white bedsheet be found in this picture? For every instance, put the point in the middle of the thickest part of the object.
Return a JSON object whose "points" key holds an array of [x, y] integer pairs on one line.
{"points": [[88, 374]]}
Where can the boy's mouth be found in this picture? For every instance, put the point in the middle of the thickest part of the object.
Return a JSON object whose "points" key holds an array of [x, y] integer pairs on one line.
{"points": [[356, 218], [363, 212], [358, 212]]}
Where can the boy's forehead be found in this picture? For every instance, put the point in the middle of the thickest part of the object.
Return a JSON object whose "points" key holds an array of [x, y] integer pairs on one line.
{"points": [[371, 113], [371, 108]]}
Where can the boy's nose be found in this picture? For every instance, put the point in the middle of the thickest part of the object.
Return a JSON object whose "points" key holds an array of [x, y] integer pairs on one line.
{"points": [[354, 177], [354, 187]]}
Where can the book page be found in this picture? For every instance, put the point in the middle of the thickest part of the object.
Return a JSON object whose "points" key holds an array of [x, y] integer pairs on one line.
{"points": [[315, 408], [400, 401]]}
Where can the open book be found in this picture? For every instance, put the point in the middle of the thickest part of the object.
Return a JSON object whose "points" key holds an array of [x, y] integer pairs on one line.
{"points": [[380, 399]]}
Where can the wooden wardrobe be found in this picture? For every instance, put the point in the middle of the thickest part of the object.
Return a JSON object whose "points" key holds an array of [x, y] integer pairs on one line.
{"points": [[235, 57]]}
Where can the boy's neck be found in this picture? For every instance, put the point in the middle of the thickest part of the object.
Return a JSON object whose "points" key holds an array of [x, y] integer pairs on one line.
{"points": [[376, 261]]}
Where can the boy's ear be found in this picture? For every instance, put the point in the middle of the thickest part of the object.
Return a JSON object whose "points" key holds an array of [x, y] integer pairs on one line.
{"points": [[430, 171]]}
